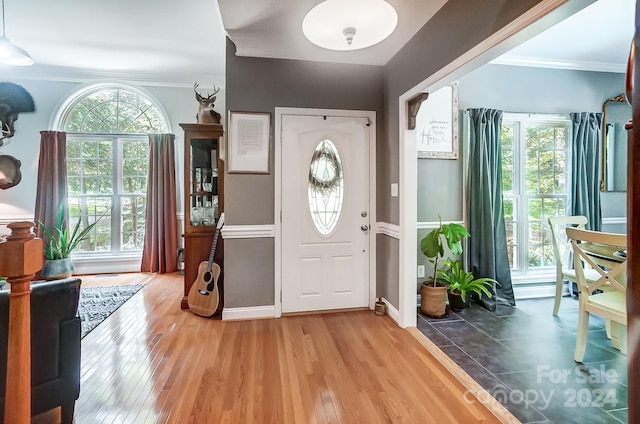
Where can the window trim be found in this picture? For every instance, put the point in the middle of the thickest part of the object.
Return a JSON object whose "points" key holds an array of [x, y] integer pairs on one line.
{"points": [[62, 113], [58, 120], [116, 204]]}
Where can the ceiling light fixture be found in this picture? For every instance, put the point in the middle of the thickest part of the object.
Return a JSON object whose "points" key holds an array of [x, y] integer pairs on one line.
{"points": [[9, 52], [349, 24]]}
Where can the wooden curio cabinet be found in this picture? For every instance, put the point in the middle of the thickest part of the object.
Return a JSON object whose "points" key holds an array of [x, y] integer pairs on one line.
{"points": [[203, 199]]}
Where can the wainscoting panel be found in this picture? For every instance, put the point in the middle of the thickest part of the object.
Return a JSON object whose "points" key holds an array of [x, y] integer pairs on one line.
{"points": [[248, 231]]}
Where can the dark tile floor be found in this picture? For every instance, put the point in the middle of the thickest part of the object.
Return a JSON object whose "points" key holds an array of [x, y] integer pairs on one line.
{"points": [[523, 356]]}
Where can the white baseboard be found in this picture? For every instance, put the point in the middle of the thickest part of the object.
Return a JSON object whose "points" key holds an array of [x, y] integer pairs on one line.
{"points": [[251, 312], [534, 291], [392, 311], [106, 264]]}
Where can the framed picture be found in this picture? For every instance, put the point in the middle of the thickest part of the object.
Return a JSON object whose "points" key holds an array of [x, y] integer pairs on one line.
{"points": [[437, 124], [222, 146], [248, 142]]}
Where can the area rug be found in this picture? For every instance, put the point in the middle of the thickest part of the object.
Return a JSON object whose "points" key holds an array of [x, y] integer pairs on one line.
{"points": [[97, 303]]}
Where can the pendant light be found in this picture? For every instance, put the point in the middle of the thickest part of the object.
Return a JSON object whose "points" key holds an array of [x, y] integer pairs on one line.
{"points": [[349, 24], [9, 52]]}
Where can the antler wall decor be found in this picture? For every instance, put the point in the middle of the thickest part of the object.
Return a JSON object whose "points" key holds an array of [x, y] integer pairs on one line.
{"points": [[206, 114]]}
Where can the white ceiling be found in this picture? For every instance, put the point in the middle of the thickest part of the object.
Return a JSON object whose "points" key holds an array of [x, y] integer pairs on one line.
{"points": [[171, 42], [159, 41], [274, 29], [597, 38]]}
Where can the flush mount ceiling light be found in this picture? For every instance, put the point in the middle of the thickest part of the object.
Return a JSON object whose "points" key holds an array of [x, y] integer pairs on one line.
{"points": [[349, 24], [9, 52]]}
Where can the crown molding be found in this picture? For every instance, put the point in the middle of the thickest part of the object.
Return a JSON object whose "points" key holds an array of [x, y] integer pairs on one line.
{"points": [[82, 75], [576, 65]]}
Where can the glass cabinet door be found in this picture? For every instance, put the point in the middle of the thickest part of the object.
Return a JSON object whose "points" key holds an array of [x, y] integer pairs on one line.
{"points": [[203, 199]]}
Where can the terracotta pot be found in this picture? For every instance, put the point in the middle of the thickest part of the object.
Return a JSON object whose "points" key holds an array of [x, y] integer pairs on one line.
{"points": [[433, 300], [55, 269]]}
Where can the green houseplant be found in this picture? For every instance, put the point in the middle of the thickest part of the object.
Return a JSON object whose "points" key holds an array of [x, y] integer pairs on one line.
{"points": [[460, 284], [433, 293], [59, 242]]}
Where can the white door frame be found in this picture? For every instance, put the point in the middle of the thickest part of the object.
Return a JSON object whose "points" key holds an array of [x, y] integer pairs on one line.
{"points": [[277, 213], [548, 13]]}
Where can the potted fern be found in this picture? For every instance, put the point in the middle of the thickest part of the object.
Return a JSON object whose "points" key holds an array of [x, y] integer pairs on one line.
{"points": [[59, 242], [460, 284], [433, 293]]}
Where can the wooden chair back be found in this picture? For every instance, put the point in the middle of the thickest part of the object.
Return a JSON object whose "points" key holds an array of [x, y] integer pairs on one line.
{"points": [[613, 276], [560, 244]]}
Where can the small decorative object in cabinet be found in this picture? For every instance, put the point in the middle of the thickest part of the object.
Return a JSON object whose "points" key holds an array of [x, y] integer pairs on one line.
{"points": [[204, 202]]}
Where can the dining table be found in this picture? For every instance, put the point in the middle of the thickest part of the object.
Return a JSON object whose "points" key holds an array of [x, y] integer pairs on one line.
{"points": [[604, 254]]}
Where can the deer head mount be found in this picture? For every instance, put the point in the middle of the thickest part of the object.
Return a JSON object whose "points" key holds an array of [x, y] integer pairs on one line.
{"points": [[206, 114]]}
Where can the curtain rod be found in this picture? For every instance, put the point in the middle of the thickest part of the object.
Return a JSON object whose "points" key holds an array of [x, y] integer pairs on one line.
{"points": [[521, 113]]}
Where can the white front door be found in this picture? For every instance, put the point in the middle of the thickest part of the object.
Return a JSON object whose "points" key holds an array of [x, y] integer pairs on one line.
{"points": [[325, 212]]}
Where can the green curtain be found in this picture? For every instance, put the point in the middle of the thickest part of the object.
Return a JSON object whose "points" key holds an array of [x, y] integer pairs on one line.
{"points": [[488, 243], [585, 168]]}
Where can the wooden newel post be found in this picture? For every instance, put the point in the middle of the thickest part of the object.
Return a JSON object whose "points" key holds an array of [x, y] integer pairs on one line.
{"points": [[20, 259]]}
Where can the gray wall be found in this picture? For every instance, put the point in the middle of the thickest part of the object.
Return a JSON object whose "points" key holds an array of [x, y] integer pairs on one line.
{"points": [[261, 85], [522, 89], [437, 44], [618, 114]]}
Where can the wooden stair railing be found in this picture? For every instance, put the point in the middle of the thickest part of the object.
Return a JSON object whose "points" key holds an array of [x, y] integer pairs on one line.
{"points": [[20, 259]]}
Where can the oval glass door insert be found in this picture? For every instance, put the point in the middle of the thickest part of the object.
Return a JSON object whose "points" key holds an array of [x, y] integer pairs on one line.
{"points": [[326, 187]]}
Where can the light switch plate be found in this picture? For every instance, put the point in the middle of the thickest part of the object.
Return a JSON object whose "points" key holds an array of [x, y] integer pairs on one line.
{"points": [[394, 189], [420, 271]]}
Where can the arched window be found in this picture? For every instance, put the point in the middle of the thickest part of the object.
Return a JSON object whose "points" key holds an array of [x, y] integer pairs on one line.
{"points": [[107, 161]]}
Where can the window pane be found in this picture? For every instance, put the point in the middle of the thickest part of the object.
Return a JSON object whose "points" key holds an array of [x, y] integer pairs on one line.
{"points": [[546, 138], [133, 214], [535, 209], [506, 137], [88, 209], [511, 228], [107, 171], [115, 111], [135, 159], [562, 135], [560, 179], [541, 174], [535, 256], [326, 186]]}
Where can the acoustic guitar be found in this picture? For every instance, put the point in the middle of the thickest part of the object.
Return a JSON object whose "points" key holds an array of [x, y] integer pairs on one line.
{"points": [[204, 295]]}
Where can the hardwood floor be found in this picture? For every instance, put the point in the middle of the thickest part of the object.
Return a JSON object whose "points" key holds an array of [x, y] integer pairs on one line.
{"points": [[151, 362]]}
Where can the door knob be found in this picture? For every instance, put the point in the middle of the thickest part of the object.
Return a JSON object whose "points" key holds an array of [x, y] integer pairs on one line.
{"points": [[364, 227]]}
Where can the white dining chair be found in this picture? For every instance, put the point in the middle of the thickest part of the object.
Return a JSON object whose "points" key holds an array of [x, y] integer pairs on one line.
{"points": [[561, 249], [610, 304]]}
